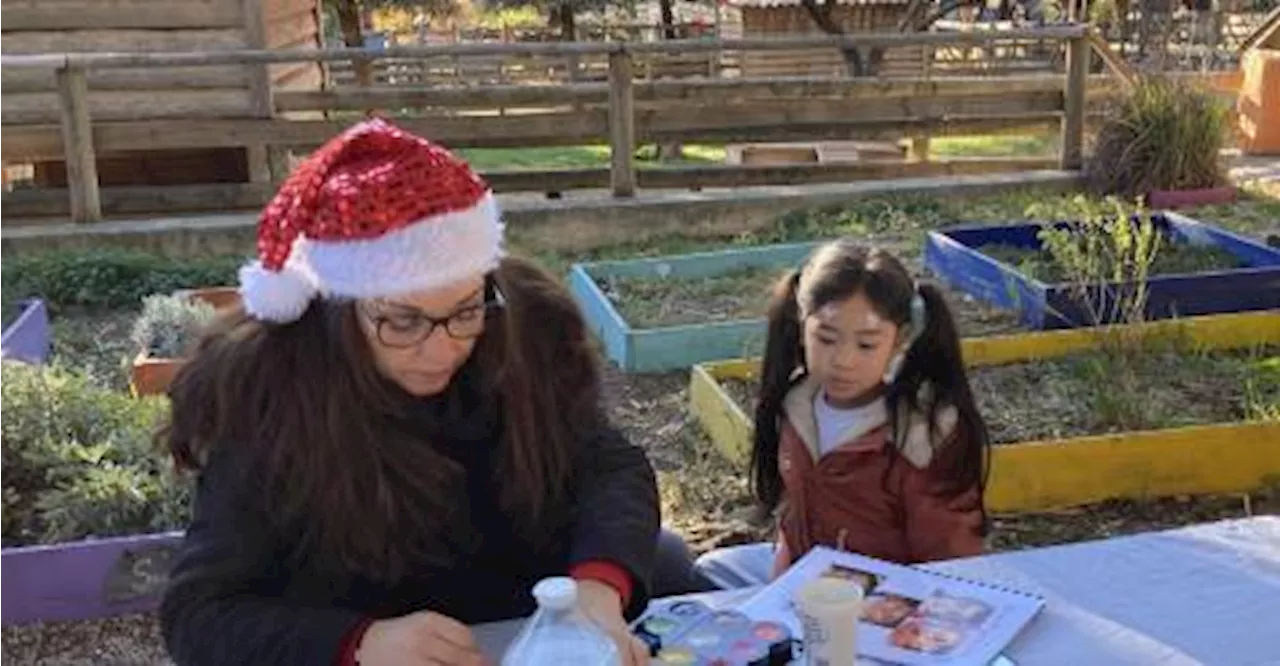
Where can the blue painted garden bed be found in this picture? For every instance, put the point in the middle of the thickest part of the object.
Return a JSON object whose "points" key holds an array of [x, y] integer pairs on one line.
{"points": [[28, 337], [680, 346], [953, 256]]}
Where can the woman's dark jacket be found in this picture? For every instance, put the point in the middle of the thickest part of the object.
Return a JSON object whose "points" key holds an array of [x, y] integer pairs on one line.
{"points": [[237, 597]]}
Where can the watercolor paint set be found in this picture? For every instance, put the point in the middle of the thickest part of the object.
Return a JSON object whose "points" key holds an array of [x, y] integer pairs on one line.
{"points": [[688, 633]]}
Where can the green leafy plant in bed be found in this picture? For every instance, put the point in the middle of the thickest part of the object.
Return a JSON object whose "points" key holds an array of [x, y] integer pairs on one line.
{"points": [[79, 460]]}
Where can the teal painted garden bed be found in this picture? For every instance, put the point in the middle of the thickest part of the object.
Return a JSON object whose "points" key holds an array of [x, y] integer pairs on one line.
{"points": [[638, 347]]}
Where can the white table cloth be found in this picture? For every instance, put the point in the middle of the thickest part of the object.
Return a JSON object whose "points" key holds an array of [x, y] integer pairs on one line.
{"points": [[1208, 594]]}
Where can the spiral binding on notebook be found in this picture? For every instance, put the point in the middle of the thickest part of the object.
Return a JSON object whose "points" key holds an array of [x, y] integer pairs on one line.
{"points": [[981, 583]]}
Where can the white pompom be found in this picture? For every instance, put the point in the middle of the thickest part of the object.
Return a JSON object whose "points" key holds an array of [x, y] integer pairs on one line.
{"points": [[275, 296]]}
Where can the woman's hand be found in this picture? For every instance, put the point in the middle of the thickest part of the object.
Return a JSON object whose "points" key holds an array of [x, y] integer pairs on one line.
{"points": [[423, 638], [602, 604]]}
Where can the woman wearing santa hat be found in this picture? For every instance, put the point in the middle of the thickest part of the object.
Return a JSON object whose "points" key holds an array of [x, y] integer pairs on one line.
{"points": [[399, 434]]}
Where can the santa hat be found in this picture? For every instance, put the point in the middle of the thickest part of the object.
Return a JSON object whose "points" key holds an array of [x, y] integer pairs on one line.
{"points": [[375, 212]]}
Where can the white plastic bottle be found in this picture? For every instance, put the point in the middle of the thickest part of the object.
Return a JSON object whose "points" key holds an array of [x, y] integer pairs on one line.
{"points": [[559, 633]]}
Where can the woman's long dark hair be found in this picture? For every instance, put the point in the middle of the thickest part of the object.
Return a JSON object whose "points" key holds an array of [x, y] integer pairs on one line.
{"points": [[837, 271], [305, 404]]}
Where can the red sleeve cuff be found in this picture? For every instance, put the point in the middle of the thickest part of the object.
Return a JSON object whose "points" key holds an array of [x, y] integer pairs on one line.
{"points": [[351, 643], [605, 572]]}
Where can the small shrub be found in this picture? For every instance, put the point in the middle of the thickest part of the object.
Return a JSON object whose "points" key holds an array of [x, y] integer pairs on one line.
{"points": [[109, 278], [79, 460], [169, 324], [1162, 135]]}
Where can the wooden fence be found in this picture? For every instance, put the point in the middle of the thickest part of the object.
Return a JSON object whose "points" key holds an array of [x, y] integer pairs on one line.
{"points": [[621, 111]]}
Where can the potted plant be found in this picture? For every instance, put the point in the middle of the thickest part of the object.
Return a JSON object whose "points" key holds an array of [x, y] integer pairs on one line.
{"points": [[27, 334], [163, 332], [219, 297], [1161, 142]]}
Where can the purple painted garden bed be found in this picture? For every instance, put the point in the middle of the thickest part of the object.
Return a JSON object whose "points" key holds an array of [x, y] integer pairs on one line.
{"points": [[86, 579], [28, 338]]}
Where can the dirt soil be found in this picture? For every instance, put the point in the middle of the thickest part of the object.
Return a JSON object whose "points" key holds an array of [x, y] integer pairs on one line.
{"points": [[1094, 393], [652, 302], [1179, 259]]}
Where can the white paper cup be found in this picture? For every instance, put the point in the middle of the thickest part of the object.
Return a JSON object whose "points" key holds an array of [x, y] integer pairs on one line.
{"points": [[828, 609]]}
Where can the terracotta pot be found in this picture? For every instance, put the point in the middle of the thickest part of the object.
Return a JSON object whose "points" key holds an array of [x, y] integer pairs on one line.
{"points": [[1188, 198], [218, 297], [152, 376]]}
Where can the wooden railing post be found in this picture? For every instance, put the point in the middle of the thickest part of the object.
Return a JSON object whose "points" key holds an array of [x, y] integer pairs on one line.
{"points": [[622, 124], [1073, 105], [77, 144]]}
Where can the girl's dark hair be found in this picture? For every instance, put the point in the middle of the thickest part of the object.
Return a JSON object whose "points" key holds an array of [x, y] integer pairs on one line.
{"points": [[316, 423], [837, 271]]}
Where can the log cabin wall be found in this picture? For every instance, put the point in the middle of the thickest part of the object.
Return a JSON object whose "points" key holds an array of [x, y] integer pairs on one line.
{"points": [[776, 18], [77, 26]]}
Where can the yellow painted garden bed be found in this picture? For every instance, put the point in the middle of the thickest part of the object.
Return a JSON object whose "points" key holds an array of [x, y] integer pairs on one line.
{"points": [[1231, 457]]}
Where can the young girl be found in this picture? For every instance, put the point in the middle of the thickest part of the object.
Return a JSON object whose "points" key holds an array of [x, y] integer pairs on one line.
{"points": [[866, 431]]}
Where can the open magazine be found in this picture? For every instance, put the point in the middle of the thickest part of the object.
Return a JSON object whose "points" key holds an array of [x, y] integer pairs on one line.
{"points": [[909, 616]]}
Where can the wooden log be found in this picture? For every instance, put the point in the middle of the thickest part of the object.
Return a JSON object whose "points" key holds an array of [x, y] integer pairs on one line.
{"points": [[29, 15], [819, 111], [1073, 112], [622, 126], [847, 130], [43, 203], [40, 108], [700, 177], [180, 78], [550, 129], [139, 200], [261, 104], [77, 136], [726, 91], [191, 56], [141, 44]]}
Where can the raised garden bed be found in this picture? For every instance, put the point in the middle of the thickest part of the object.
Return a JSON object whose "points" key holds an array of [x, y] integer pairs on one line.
{"points": [[670, 312], [1200, 269], [151, 373], [86, 579], [27, 336], [1056, 448], [88, 501]]}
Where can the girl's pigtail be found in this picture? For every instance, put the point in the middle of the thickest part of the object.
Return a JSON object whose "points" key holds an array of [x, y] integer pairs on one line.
{"points": [[935, 358], [782, 355]]}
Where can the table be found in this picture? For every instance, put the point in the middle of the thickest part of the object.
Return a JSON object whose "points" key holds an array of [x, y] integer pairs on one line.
{"points": [[1208, 594]]}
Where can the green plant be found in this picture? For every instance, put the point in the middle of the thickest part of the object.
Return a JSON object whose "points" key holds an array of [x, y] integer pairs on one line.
{"points": [[79, 460], [108, 278], [1162, 135], [1105, 254], [169, 324]]}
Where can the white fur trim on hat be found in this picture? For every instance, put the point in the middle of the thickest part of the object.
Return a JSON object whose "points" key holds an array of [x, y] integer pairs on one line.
{"points": [[279, 296], [429, 253]]}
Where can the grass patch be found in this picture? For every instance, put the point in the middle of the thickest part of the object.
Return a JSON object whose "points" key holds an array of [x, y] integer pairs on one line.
{"points": [[1170, 259], [1013, 145], [578, 157], [1101, 392]]}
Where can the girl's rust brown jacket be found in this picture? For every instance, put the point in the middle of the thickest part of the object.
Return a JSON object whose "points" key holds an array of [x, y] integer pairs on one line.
{"points": [[872, 495]]}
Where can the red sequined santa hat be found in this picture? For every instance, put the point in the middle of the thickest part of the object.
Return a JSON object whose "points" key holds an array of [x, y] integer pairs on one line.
{"points": [[375, 212]]}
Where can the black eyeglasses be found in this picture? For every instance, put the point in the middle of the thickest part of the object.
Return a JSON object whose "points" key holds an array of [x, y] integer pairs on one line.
{"points": [[409, 329]]}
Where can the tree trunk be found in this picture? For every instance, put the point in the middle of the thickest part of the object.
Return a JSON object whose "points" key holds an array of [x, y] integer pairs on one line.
{"points": [[821, 16], [668, 19], [669, 152], [353, 37], [568, 28]]}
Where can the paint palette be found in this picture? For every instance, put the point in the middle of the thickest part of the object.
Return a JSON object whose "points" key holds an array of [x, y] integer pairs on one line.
{"points": [[686, 633]]}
